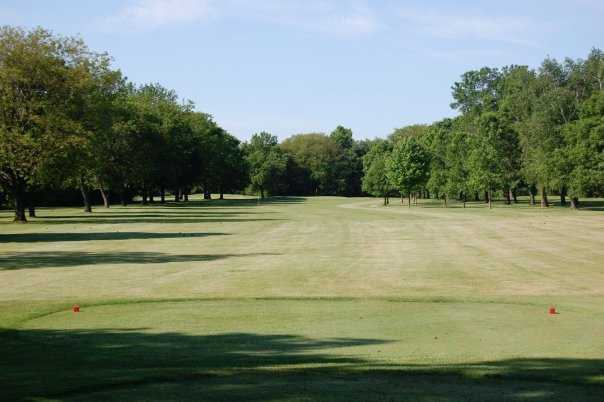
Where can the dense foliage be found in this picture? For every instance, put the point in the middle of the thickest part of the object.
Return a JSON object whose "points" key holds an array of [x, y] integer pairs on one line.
{"points": [[519, 130], [68, 121]]}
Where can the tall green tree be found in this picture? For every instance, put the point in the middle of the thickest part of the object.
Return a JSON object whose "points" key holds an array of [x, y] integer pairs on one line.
{"points": [[266, 162], [319, 158], [375, 178], [40, 86], [584, 150], [407, 166]]}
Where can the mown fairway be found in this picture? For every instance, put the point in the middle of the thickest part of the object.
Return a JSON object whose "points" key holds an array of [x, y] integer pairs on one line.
{"points": [[299, 299]]}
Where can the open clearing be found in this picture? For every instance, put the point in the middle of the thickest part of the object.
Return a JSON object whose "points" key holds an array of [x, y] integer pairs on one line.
{"points": [[299, 299]]}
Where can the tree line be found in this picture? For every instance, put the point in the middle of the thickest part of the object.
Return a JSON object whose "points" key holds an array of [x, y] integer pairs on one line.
{"points": [[519, 130], [68, 121]]}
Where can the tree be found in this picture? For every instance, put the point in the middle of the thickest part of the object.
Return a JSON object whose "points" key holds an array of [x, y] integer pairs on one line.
{"points": [[227, 167], [318, 157], [447, 142], [416, 131], [375, 178], [478, 91], [39, 77], [348, 163], [407, 166], [266, 162], [342, 136], [584, 150], [487, 156]]}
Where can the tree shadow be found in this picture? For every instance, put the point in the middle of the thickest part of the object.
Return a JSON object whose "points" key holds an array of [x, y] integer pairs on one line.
{"points": [[160, 220], [238, 202], [591, 205], [75, 236], [141, 365], [54, 259], [155, 213]]}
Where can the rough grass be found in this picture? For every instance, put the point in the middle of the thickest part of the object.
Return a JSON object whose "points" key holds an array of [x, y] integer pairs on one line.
{"points": [[299, 299]]}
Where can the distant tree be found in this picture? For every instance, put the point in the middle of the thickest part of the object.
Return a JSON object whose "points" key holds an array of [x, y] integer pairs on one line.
{"points": [[228, 169], [416, 131], [486, 159], [375, 178], [266, 162], [319, 157], [342, 137], [348, 163], [516, 109], [584, 150], [39, 90], [478, 91], [407, 166], [447, 142]]}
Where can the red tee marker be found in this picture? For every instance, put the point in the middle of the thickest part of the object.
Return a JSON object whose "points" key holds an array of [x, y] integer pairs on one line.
{"points": [[76, 308], [552, 311]]}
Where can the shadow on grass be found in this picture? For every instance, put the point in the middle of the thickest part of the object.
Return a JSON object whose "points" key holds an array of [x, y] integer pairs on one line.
{"points": [[238, 202], [75, 236], [49, 259], [592, 205], [108, 219], [134, 365]]}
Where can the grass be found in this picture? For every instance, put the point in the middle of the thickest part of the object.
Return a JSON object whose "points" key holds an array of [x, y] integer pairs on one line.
{"points": [[298, 299]]}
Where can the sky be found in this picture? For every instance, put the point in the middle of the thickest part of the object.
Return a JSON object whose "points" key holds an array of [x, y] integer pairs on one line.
{"points": [[296, 66]]}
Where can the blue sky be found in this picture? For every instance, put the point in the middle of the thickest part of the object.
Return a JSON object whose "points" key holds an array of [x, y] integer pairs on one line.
{"points": [[295, 66]]}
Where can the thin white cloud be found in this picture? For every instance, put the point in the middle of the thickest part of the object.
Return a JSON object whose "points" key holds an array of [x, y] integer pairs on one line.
{"points": [[157, 13], [340, 18], [453, 26], [343, 18]]}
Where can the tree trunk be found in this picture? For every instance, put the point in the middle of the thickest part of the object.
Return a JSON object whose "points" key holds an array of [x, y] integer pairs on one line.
{"points": [[445, 198], [221, 195], [508, 196], [186, 197], [476, 197], [532, 195], [262, 193], [385, 197], [105, 197], [409, 199], [19, 200], [31, 207], [144, 198], [85, 198], [514, 196], [151, 200], [402, 199], [465, 199], [162, 195], [490, 196], [544, 202], [574, 202], [563, 196], [487, 198], [123, 200]]}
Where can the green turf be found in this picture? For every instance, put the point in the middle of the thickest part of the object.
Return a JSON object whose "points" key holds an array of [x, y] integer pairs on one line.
{"points": [[303, 299]]}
